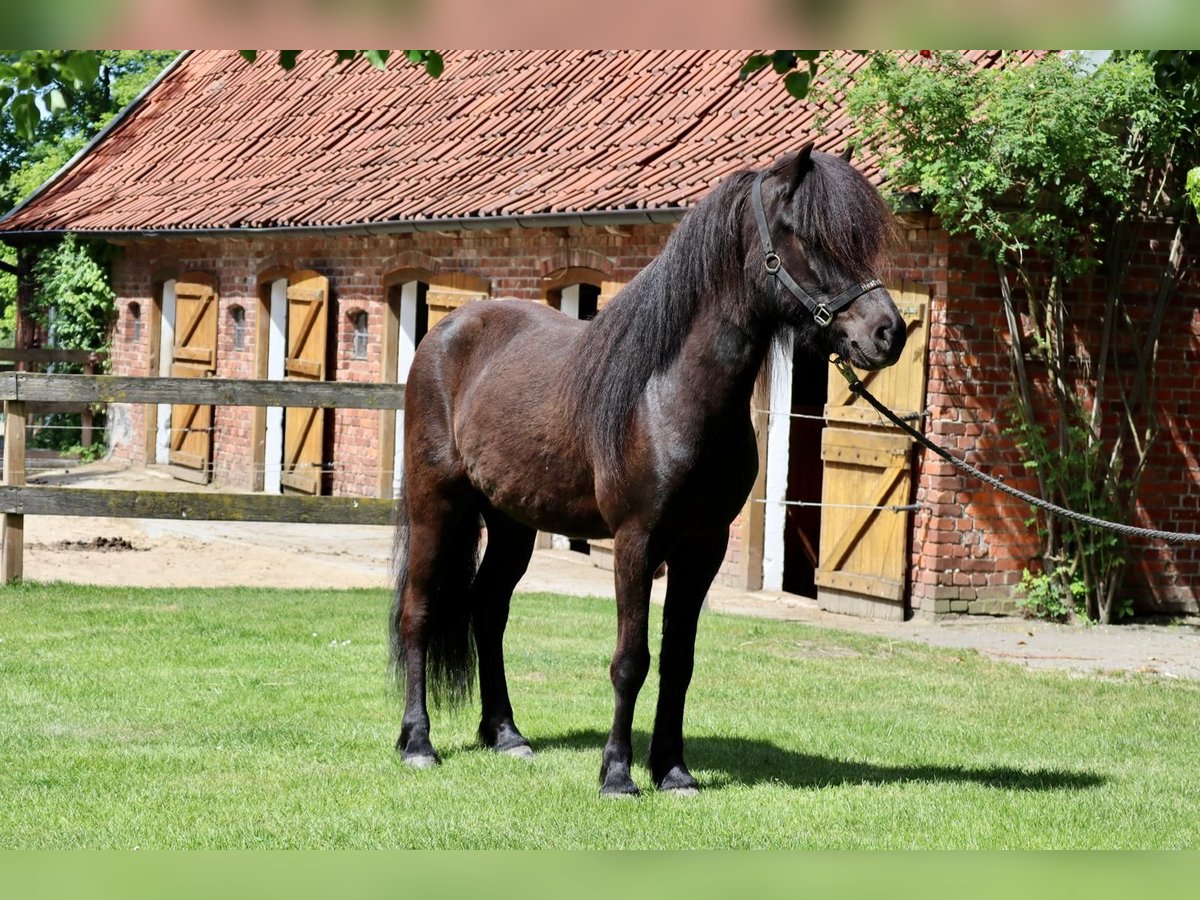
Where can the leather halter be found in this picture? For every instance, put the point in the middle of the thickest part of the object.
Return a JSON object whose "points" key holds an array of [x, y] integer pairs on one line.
{"points": [[823, 309]]}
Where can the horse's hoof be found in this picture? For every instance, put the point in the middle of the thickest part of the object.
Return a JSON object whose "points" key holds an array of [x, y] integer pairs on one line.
{"points": [[618, 785], [421, 761], [521, 751], [679, 782]]}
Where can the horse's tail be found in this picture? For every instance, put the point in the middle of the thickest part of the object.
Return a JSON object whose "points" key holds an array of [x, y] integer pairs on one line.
{"points": [[450, 657]]}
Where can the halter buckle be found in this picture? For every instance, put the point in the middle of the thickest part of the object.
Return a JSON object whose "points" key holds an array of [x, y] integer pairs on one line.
{"points": [[773, 262], [822, 315]]}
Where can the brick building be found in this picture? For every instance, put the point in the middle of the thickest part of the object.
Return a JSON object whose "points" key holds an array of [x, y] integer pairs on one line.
{"points": [[245, 198]]}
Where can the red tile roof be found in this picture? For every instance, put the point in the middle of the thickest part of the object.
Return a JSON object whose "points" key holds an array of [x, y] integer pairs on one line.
{"points": [[222, 144]]}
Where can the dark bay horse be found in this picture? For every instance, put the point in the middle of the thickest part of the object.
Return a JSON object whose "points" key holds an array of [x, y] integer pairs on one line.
{"points": [[634, 426]]}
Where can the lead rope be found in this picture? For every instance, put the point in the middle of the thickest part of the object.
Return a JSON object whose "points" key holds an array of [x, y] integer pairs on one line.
{"points": [[857, 387]]}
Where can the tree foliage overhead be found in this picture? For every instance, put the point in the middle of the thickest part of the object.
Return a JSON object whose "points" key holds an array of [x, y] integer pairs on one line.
{"points": [[1042, 155], [430, 59], [70, 111]]}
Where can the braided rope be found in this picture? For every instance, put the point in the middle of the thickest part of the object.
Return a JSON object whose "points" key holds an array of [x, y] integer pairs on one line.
{"points": [[856, 385]]}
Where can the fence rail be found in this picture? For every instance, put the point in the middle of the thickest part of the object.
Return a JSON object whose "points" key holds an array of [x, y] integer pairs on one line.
{"points": [[89, 359], [51, 355], [18, 500], [30, 387]]}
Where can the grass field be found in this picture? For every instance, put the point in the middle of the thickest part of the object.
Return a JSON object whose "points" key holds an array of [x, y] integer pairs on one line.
{"points": [[258, 718]]}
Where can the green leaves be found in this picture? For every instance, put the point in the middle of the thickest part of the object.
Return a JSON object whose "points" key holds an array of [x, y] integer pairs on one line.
{"points": [[434, 65], [1193, 187], [783, 61], [25, 114], [82, 67], [377, 58], [430, 59], [1025, 156], [73, 295], [37, 83], [797, 84], [52, 75], [753, 63], [797, 78]]}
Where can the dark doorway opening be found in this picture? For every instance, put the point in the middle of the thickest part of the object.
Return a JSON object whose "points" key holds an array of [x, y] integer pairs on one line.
{"points": [[589, 296], [802, 523]]}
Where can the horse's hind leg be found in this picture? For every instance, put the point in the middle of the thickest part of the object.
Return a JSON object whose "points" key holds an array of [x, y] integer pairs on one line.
{"points": [[692, 566], [510, 544], [442, 539]]}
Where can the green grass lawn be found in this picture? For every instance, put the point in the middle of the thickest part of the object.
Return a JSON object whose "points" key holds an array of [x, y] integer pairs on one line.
{"points": [[263, 718]]}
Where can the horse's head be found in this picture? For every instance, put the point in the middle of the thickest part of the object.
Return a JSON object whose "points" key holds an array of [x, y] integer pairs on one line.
{"points": [[821, 230]]}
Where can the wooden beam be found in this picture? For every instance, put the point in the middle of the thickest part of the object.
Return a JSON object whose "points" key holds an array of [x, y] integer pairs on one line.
{"points": [[206, 506], [199, 391], [8, 267], [12, 354]]}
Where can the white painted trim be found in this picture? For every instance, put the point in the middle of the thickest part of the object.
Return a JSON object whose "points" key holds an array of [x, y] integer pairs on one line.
{"points": [[410, 294], [778, 461], [276, 353], [570, 300], [166, 356]]}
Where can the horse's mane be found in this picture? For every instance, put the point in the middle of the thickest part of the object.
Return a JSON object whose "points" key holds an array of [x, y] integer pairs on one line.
{"points": [[841, 215], [834, 211]]}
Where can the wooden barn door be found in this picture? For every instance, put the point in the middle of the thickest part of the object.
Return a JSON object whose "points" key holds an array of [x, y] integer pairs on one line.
{"points": [[867, 465], [307, 337], [193, 355]]}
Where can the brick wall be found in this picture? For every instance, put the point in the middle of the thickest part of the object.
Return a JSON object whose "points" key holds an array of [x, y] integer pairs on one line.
{"points": [[971, 543]]}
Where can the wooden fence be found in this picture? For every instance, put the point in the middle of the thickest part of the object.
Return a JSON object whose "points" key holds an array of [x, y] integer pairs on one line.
{"points": [[36, 358], [18, 389]]}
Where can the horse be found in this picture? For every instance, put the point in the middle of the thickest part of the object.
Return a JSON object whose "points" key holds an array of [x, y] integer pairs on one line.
{"points": [[634, 426]]}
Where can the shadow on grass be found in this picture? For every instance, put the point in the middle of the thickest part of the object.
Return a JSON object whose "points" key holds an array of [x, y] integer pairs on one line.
{"points": [[747, 761]]}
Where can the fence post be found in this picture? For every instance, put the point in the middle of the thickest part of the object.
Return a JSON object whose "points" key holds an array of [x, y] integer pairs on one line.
{"points": [[13, 563]]}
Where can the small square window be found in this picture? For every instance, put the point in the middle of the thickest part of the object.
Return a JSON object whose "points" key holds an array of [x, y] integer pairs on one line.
{"points": [[239, 327], [360, 335]]}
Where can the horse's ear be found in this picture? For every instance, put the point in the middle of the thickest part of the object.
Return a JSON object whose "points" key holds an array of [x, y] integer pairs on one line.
{"points": [[793, 169], [846, 153]]}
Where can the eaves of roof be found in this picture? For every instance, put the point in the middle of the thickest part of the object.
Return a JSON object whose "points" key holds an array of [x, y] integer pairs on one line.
{"points": [[651, 216]]}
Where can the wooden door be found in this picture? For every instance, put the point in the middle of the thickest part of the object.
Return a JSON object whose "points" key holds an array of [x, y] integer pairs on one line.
{"points": [[304, 360], [608, 290], [193, 355], [868, 467]]}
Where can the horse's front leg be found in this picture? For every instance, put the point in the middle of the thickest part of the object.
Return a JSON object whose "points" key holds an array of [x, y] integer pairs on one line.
{"points": [[692, 566], [631, 660]]}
